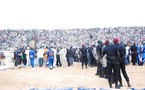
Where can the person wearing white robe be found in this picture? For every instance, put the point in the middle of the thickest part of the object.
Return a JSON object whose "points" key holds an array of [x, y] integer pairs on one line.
{"points": [[62, 54], [55, 59], [94, 52], [40, 56], [27, 56]]}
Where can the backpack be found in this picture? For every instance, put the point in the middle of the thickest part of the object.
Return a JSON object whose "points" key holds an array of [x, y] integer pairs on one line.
{"points": [[51, 53]]}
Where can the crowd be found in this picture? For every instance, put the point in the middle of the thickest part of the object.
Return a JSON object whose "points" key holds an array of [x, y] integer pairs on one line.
{"points": [[67, 38], [53, 48]]}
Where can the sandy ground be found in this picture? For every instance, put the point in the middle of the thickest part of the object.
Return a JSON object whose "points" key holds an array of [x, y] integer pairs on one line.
{"points": [[59, 77]]}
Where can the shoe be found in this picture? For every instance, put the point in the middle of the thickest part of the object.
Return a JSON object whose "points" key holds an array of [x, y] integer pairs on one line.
{"points": [[129, 85], [111, 87], [96, 74], [113, 82], [101, 76], [117, 87], [106, 77], [120, 85]]}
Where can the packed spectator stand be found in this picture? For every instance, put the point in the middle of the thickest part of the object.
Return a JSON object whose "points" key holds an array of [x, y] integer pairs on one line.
{"points": [[71, 37]]}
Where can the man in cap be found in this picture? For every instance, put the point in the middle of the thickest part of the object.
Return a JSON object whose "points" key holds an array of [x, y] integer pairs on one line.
{"points": [[121, 59], [112, 63]]}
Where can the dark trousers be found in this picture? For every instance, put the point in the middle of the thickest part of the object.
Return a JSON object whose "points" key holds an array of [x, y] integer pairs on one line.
{"points": [[71, 60], [84, 61], [92, 61], [20, 61], [100, 70], [122, 68], [16, 62], [25, 61], [106, 72], [113, 65], [41, 62], [133, 59], [68, 61], [58, 61]]}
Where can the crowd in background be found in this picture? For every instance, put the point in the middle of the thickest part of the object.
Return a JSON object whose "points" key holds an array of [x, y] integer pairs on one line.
{"points": [[21, 39], [66, 38], [51, 48]]}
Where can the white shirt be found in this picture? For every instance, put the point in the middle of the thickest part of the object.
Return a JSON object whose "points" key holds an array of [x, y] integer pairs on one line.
{"points": [[27, 54], [127, 50], [40, 53], [55, 52], [62, 52]]}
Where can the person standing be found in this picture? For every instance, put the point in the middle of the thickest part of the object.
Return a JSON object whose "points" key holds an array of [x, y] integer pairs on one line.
{"points": [[91, 57], [24, 59], [45, 56], [40, 56], [83, 51], [133, 50], [112, 63], [63, 59], [50, 55], [143, 53], [70, 55], [32, 57], [127, 52], [55, 58], [100, 68], [58, 58], [27, 56], [121, 58], [16, 57], [20, 58]]}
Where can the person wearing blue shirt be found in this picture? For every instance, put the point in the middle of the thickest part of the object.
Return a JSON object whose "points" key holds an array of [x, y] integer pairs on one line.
{"points": [[50, 55], [138, 53], [143, 53], [32, 56]]}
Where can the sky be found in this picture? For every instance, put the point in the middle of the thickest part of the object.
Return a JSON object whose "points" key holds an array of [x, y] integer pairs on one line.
{"points": [[70, 14]]}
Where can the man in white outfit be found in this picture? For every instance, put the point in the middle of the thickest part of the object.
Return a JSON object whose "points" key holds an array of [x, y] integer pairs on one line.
{"points": [[12, 57], [94, 52], [127, 48], [62, 54], [55, 59], [40, 56], [27, 56]]}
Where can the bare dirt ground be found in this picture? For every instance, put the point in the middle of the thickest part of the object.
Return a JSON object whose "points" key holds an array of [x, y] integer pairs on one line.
{"points": [[59, 77]]}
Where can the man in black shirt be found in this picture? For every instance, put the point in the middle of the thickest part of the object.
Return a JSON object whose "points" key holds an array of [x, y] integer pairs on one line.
{"points": [[84, 56], [133, 49], [112, 63], [121, 59]]}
